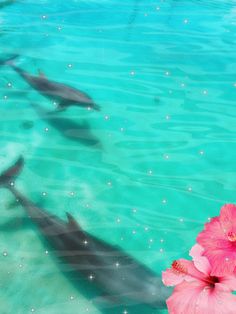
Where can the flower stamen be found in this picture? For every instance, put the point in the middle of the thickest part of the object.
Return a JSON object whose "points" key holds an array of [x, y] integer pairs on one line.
{"points": [[179, 268], [231, 236]]}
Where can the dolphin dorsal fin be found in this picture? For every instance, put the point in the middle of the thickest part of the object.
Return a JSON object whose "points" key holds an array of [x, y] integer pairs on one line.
{"points": [[72, 223], [41, 74]]}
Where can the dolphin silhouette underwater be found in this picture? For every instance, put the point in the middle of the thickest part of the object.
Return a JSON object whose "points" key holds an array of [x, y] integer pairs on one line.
{"points": [[121, 279], [63, 94], [78, 132]]}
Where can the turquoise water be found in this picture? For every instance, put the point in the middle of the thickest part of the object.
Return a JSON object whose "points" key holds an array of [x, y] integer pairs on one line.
{"points": [[149, 169]]}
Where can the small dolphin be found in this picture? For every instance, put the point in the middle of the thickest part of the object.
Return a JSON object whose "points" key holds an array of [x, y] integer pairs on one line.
{"points": [[63, 94], [122, 279], [78, 132]]}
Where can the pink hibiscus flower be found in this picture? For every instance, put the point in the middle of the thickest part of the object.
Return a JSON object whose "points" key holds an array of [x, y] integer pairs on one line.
{"points": [[219, 241], [196, 291]]}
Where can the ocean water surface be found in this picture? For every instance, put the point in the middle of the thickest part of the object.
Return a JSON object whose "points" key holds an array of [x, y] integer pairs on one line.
{"points": [[146, 171]]}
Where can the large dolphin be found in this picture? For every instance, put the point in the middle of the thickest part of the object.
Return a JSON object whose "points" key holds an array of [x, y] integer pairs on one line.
{"points": [[78, 132], [63, 94], [121, 279]]}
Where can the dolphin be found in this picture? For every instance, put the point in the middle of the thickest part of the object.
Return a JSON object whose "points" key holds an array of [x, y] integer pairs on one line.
{"points": [[63, 94], [121, 279], [78, 132]]}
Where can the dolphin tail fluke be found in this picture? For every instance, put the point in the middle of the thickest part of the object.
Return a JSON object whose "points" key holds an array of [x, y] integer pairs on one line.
{"points": [[9, 60], [96, 107], [11, 173]]}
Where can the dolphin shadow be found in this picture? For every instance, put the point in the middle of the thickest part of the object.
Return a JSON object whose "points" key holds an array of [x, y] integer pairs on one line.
{"points": [[16, 223], [68, 128], [6, 3], [27, 124], [132, 19]]}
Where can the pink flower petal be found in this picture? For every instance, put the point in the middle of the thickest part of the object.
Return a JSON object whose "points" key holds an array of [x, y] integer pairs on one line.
{"points": [[216, 301], [228, 218], [196, 298], [182, 270], [213, 236], [172, 277], [184, 298], [228, 283], [223, 262], [220, 252], [201, 262]]}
